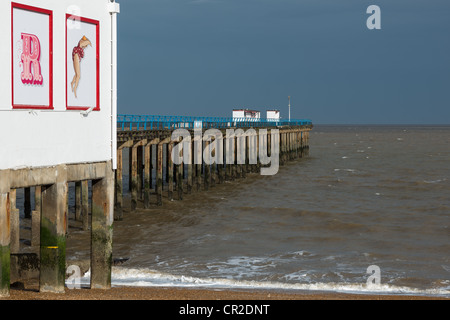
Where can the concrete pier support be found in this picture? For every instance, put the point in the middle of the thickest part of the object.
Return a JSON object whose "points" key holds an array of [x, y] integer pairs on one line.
{"points": [[53, 234], [101, 230]]}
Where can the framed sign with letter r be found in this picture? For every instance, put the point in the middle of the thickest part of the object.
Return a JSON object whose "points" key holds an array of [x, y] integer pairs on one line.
{"points": [[32, 57]]}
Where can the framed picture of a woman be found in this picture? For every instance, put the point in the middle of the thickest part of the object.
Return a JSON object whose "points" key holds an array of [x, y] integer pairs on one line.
{"points": [[82, 63]]}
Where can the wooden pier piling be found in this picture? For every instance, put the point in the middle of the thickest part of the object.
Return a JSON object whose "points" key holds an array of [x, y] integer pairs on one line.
{"points": [[101, 230], [5, 240], [53, 234], [241, 151]]}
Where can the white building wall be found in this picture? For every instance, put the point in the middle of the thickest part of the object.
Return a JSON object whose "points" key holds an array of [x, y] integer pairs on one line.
{"points": [[39, 138], [238, 114], [273, 115]]}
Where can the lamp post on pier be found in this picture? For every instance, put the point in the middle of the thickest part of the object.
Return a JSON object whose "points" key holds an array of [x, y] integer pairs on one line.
{"points": [[289, 98]]}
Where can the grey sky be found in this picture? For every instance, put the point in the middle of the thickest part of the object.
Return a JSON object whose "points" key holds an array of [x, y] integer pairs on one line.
{"points": [[206, 57]]}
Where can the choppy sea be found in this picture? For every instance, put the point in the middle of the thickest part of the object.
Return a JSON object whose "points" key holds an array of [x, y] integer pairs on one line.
{"points": [[368, 211]]}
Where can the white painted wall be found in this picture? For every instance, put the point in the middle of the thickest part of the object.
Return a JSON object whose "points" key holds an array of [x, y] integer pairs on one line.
{"points": [[40, 138], [238, 114], [273, 115], [246, 114]]}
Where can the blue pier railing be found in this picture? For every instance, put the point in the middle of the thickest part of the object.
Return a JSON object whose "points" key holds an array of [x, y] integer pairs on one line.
{"points": [[153, 122]]}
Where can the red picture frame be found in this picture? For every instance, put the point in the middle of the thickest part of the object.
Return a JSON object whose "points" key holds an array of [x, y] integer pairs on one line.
{"points": [[97, 25], [50, 80]]}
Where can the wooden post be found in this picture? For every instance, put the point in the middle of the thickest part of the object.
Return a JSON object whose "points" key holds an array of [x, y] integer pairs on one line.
{"points": [[167, 162], [85, 204], [293, 146], [67, 208], [101, 230], [140, 172], [36, 217], [15, 230], [159, 171], [179, 173], [118, 195], [159, 174], [243, 155], [214, 164], [207, 166], [130, 166], [136, 174], [78, 201], [134, 178], [27, 203], [238, 148], [148, 171], [150, 164], [189, 178], [199, 160], [253, 149], [170, 170], [5, 238], [220, 155], [229, 158], [53, 234], [14, 221], [234, 162], [258, 145]]}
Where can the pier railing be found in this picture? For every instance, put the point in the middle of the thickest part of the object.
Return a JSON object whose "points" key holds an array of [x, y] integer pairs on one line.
{"points": [[155, 122]]}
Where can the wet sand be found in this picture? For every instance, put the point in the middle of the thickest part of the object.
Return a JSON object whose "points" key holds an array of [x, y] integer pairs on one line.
{"points": [[163, 293]]}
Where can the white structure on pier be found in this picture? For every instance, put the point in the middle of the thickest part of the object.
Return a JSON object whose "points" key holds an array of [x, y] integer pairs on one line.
{"points": [[273, 115], [247, 114]]}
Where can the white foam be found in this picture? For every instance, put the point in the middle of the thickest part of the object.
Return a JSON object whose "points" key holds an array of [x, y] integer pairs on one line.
{"points": [[150, 278], [435, 181]]}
